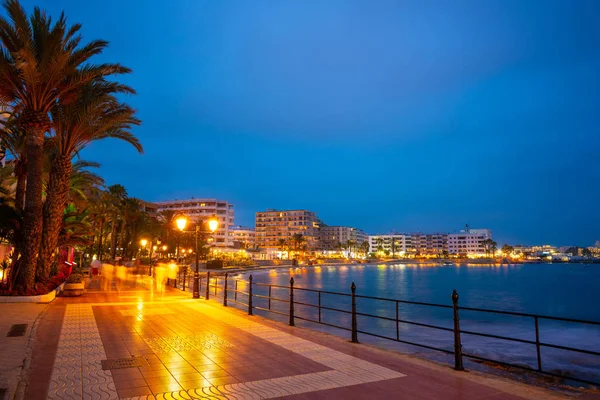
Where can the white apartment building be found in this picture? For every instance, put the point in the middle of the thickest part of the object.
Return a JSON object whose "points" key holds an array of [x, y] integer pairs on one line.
{"points": [[468, 242], [274, 225], [395, 244], [203, 209], [331, 236], [243, 237]]}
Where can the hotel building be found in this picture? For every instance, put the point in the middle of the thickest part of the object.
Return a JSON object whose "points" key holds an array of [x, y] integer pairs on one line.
{"points": [[430, 244], [331, 236], [395, 244], [273, 225], [468, 242], [202, 209], [243, 237]]}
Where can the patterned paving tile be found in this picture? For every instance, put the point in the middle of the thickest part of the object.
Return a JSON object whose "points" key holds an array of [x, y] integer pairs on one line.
{"points": [[77, 372], [346, 370], [147, 311]]}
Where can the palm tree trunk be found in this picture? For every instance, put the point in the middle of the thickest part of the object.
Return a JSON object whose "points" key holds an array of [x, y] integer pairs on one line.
{"points": [[21, 175], [32, 213], [120, 244], [54, 206], [100, 240], [113, 239]]}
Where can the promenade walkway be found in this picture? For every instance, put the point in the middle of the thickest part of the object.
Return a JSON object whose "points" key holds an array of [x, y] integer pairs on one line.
{"points": [[145, 345]]}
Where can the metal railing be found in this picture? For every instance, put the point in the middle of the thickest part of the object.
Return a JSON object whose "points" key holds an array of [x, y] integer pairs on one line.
{"points": [[248, 293]]}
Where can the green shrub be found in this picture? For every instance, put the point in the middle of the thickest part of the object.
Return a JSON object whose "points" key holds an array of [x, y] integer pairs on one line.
{"points": [[75, 278]]}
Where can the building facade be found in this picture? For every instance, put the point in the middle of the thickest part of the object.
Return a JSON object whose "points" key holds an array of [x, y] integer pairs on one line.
{"points": [[331, 236], [203, 209], [427, 244], [243, 237], [469, 242], [393, 244], [274, 225]]}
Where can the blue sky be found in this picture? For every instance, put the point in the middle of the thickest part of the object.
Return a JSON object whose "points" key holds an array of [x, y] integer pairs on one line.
{"points": [[405, 115]]}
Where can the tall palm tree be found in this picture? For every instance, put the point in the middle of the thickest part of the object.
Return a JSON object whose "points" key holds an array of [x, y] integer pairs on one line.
{"points": [[133, 221], [83, 183], [12, 138], [298, 239], [349, 245], [364, 246], [96, 114], [41, 62], [117, 195], [282, 243]]}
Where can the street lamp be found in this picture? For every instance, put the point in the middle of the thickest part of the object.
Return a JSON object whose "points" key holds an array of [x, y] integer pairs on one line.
{"points": [[143, 243], [181, 222], [213, 224]]}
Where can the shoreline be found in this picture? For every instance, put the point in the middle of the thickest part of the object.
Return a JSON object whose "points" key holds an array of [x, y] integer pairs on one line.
{"points": [[437, 262]]}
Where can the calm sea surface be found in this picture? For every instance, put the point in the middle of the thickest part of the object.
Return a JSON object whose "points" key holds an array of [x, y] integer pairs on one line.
{"points": [[561, 290]]}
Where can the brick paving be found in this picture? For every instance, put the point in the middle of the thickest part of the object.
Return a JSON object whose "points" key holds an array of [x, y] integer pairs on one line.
{"points": [[192, 349], [14, 351]]}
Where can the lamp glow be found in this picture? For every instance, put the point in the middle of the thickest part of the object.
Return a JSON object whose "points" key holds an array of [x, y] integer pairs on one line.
{"points": [[143, 242], [164, 248], [213, 224], [181, 222]]}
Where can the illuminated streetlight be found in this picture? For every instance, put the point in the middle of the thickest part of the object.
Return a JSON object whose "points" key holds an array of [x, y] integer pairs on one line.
{"points": [[181, 222], [164, 248], [213, 224], [143, 242]]}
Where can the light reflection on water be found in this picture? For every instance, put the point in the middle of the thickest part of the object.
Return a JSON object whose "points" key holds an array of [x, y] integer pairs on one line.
{"points": [[563, 290]]}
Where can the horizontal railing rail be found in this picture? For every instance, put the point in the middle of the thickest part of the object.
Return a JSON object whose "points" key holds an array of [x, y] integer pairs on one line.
{"points": [[224, 286]]}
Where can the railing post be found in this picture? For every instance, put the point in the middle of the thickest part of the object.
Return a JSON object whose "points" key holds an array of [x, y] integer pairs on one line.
{"points": [[458, 359], [269, 297], [225, 291], [397, 322], [207, 285], [250, 295], [319, 307], [216, 284], [235, 292], [537, 344], [292, 302], [184, 278], [199, 285], [354, 324]]}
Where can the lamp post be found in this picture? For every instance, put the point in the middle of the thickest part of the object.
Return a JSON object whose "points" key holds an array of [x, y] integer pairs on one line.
{"points": [[213, 224], [143, 243], [181, 222]]}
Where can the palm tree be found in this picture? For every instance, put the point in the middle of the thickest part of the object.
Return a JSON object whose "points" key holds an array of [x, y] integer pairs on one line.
{"points": [[117, 195], [41, 63], [487, 245], [364, 248], [507, 250], [12, 138], [96, 114], [84, 183], [349, 245], [133, 221], [493, 248], [282, 243], [298, 239]]}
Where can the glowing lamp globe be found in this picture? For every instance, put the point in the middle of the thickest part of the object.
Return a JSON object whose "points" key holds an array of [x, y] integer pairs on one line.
{"points": [[181, 222], [213, 224]]}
